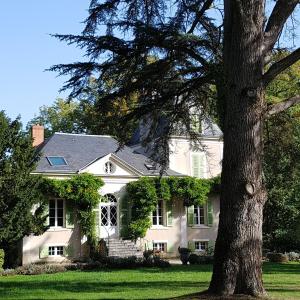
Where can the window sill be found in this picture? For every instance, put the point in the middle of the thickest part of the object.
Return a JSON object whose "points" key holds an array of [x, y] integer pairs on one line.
{"points": [[159, 227], [55, 229], [201, 227]]}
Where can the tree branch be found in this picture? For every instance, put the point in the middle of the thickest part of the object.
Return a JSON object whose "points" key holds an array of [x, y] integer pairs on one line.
{"points": [[200, 13], [282, 106], [281, 12], [280, 66]]}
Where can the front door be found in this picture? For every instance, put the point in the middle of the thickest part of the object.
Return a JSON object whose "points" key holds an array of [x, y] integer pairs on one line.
{"points": [[109, 217]]}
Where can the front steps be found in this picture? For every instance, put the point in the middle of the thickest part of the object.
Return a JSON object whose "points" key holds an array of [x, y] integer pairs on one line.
{"points": [[122, 248]]}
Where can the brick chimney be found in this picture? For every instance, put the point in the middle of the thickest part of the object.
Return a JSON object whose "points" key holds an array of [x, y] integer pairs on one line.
{"points": [[37, 132]]}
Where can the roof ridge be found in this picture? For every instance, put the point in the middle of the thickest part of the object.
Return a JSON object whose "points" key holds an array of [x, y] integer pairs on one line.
{"points": [[83, 134]]}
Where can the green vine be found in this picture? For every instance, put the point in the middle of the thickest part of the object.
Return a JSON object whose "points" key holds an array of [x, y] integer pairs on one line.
{"points": [[83, 191], [144, 194]]}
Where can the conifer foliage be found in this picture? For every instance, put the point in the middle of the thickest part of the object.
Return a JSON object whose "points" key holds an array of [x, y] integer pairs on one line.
{"points": [[19, 191]]}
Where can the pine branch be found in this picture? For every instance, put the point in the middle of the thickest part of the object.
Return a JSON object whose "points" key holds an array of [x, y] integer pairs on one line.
{"points": [[200, 13], [282, 106], [280, 66], [281, 12]]}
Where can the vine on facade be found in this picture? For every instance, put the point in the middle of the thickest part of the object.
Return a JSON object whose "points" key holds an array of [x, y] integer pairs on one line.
{"points": [[143, 196], [80, 192]]}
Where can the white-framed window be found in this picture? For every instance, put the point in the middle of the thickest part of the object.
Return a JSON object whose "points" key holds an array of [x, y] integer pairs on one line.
{"points": [[109, 168], [56, 251], [157, 214], [56, 212], [160, 246], [201, 246], [199, 215]]}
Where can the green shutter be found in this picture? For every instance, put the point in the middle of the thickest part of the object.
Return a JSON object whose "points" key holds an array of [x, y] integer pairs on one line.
{"points": [[195, 165], [124, 216], [69, 251], [43, 252], [190, 215], [97, 216], [149, 245], [46, 213], [170, 247], [198, 164], [210, 216], [169, 211], [191, 245], [70, 213]]}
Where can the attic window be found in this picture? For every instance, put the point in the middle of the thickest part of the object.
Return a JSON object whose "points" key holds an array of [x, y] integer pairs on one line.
{"points": [[57, 161], [150, 167], [109, 168]]}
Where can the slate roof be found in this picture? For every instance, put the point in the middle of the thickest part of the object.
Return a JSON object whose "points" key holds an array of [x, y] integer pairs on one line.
{"points": [[80, 150], [209, 130]]}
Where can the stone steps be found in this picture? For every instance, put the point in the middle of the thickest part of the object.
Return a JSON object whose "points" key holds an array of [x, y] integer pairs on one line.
{"points": [[122, 248]]}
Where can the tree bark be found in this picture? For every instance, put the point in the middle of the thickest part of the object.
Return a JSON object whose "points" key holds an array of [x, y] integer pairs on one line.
{"points": [[237, 267]]}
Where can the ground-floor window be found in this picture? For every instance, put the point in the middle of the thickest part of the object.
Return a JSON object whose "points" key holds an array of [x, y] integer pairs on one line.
{"points": [[201, 246], [162, 247], [56, 251]]}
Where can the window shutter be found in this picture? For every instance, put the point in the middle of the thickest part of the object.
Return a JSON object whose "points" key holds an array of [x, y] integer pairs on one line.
{"points": [[69, 214], [210, 216], [170, 247], [149, 245], [191, 245], [46, 213], [97, 223], [169, 211], [198, 165], [43, 252], [190, 215], [124, 217], [69, 251]]}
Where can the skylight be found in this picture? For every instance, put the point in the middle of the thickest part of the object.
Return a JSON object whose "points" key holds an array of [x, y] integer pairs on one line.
{"points": [[57, 161]]}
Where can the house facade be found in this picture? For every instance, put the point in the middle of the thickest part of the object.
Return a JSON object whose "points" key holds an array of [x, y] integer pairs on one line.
{"points": [[65, 155]]}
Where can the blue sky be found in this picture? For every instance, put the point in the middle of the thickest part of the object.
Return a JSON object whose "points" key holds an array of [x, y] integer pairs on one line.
{"points": [[27, 50]]}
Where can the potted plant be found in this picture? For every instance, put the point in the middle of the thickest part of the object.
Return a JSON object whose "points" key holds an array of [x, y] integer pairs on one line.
{"points": [[184, 255]]}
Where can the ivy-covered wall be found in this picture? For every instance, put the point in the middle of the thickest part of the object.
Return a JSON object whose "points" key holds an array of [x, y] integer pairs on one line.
{"points": [[143, 195], [81, 193]]}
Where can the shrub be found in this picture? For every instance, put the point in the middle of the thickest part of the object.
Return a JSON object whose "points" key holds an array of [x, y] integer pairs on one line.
{"points": [[148, 254], [1, 258], [184, 255], [277, 257], [293, 256], [35, 269], [194, 259]]}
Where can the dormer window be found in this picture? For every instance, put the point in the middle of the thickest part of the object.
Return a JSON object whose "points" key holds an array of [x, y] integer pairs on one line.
{"points": [[57, 161], [109, 168]]}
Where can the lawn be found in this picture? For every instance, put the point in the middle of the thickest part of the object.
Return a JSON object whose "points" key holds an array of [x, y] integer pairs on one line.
{"points": [[282, 281]]}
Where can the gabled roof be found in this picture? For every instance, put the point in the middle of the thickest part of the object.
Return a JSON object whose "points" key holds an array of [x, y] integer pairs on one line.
{"points": [[80, 150]]}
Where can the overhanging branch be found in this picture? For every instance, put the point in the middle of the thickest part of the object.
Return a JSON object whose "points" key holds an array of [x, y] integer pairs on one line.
{"points": [[280, 66], [282, 106], [281, 12]]}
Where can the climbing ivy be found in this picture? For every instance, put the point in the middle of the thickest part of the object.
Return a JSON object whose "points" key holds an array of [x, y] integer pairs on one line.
{"points": [[83, 191], [144, 194]]}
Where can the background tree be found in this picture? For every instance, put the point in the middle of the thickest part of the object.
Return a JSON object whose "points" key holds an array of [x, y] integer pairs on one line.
{"points": [[194, 49], [61, 116], [19, 191], [281, 228], [81, 115]]}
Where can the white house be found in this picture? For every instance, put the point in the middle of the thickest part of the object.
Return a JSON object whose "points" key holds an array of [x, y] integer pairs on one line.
{"points": [[64, 155]]}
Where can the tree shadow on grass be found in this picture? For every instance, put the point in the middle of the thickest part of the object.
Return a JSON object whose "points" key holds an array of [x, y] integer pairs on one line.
{"points": [[51, 289], [282, 268]]}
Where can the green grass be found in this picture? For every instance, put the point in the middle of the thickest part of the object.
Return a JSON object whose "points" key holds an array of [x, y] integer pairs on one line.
{"points": [[282, 281]]}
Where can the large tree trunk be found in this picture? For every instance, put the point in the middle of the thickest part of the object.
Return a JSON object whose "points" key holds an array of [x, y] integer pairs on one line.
{"points": [[237, 268]]}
